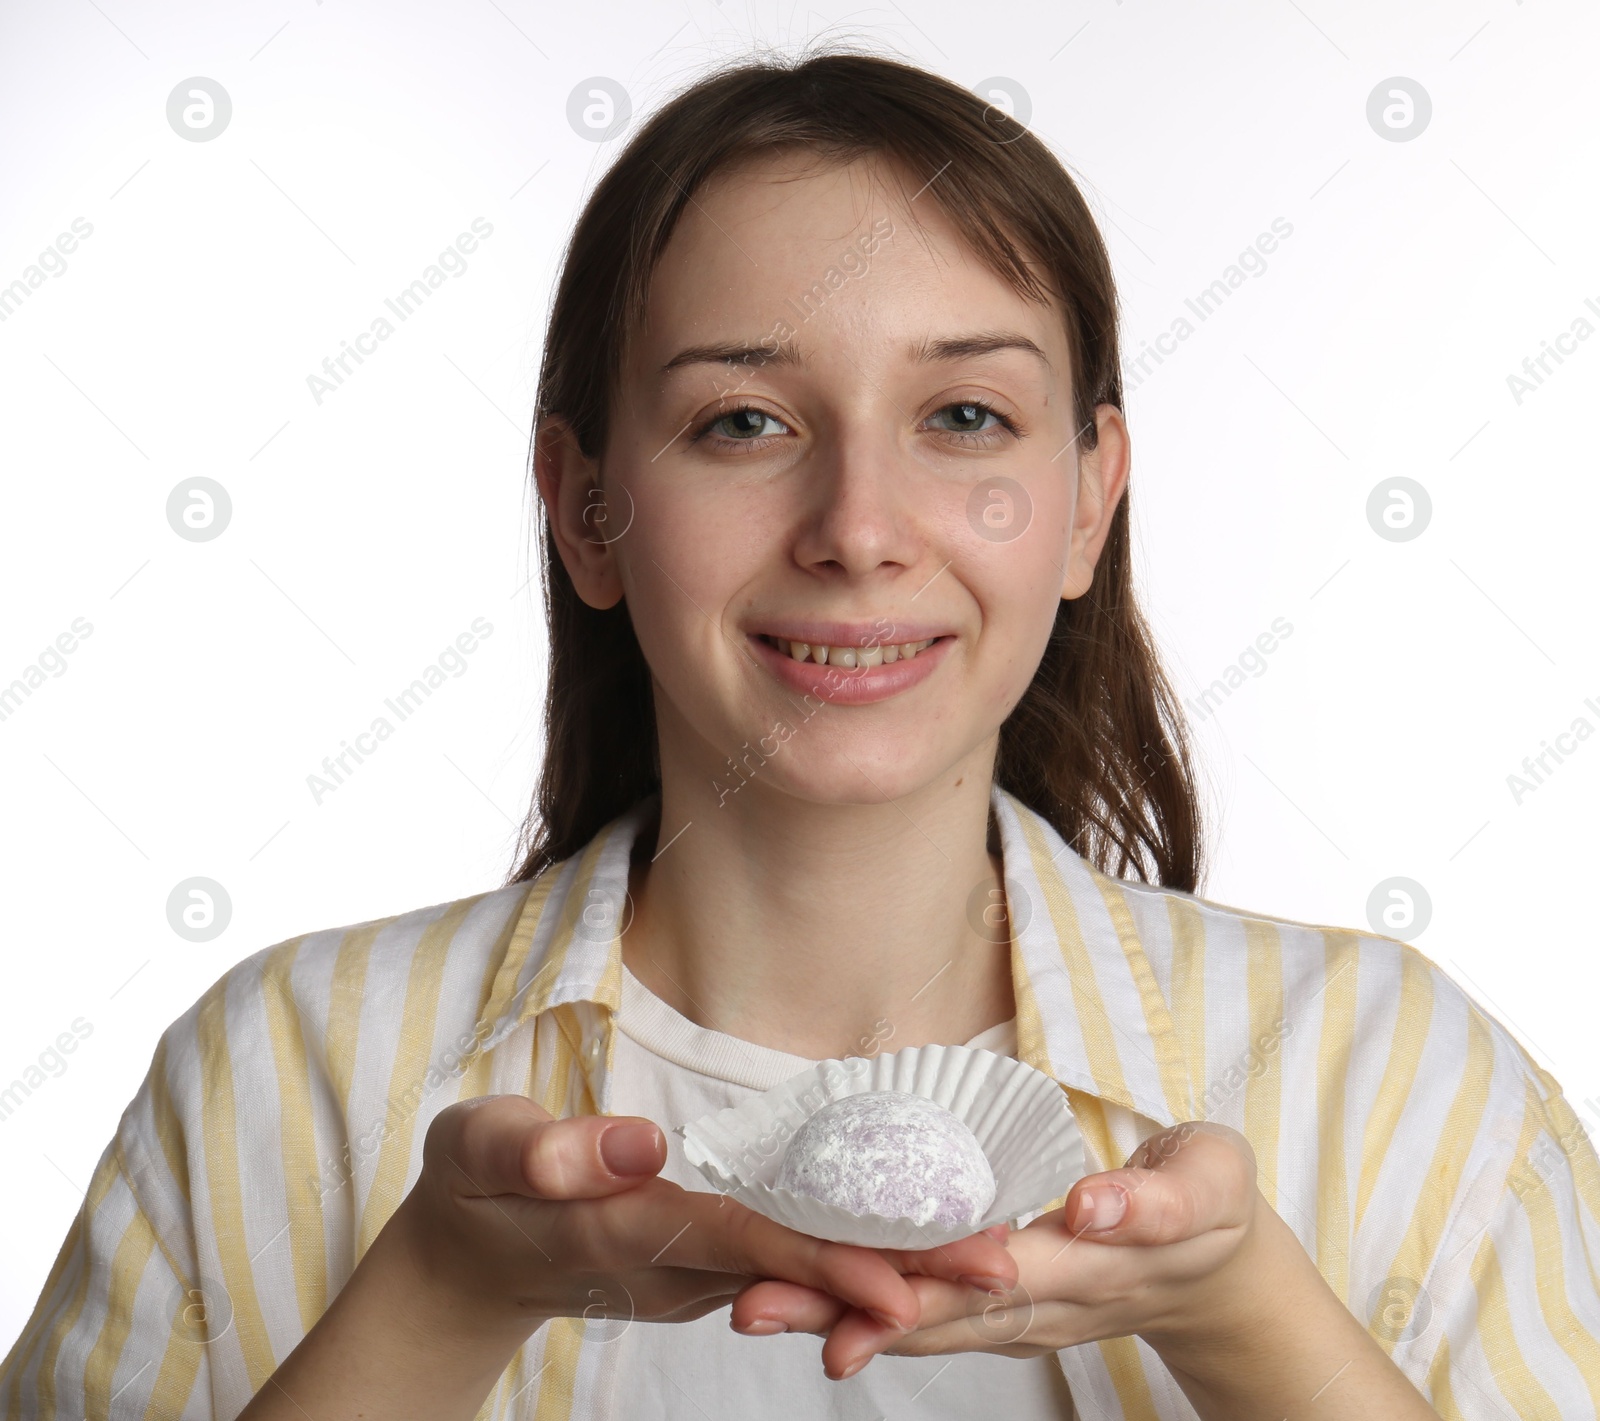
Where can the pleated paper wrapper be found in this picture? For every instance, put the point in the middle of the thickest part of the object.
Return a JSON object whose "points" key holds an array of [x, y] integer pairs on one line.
{"points": [[1020, 1117]]}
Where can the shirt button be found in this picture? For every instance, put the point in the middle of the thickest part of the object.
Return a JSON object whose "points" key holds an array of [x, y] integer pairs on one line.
{"points": [[594, 1051]]}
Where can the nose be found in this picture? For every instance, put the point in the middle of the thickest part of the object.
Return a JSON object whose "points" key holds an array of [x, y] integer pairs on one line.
{"points": [[860, 514]]}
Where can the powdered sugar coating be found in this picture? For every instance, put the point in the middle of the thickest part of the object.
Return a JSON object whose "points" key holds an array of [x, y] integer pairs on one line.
{"points": [[893, 1154]]}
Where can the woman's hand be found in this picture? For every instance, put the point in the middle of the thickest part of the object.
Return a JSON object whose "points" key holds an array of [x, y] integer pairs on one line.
{"points": [[527, 1216], [518, 1218], [1177, 1247], [1131, 1250]]}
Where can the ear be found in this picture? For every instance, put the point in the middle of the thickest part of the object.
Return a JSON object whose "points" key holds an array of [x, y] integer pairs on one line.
{"points": [[569, 484], [1102, 478]]}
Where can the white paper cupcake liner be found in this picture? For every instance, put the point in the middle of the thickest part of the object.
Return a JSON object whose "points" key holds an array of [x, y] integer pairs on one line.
{"points": [[1020, 1117]]}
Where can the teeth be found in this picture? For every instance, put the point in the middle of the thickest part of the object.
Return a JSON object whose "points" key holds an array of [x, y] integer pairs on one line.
{"points": [[851, 656]]}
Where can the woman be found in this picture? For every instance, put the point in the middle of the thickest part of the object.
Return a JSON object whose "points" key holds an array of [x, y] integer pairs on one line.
{"points": [[856, 741]]}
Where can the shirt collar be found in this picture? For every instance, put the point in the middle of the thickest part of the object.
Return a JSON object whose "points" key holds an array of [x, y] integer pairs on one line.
{"points": [[1089, 1009]]}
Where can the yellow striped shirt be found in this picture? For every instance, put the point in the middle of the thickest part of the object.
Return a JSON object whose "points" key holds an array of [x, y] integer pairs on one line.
{"points": [[1431, 1168]]}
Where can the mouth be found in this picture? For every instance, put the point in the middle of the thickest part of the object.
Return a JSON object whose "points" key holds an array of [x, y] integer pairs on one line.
{"points": [[856, 671], [855, 657]]}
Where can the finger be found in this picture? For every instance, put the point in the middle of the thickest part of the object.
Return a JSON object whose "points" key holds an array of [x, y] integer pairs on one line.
{"points": [[720, 1233], [771, 1304], [803, 1309], [987, 1334], [979, 1260], [685, 1294], [857, 1337], [854, 1341], [506, 1144], [1189, 1180], [952, 1321]]}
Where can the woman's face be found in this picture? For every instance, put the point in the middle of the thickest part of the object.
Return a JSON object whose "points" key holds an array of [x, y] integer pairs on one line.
{"points": [[837, 429]]}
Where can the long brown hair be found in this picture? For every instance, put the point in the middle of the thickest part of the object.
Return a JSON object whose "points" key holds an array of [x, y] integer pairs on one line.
{"points": [[1097, 744]]}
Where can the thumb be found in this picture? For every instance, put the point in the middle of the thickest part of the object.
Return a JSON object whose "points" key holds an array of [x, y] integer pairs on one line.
{"points": [[508, 1145], [588, 1157], [1188, 1180]]}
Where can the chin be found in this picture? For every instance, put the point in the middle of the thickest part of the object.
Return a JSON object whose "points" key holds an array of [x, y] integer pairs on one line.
{"points": [[847, 777]]}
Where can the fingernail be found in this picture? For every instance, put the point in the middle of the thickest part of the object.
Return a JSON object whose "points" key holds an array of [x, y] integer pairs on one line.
{"points": [[763, 1327], [987, 1285], [1102, 1209], [854, 1367], [630, 1149], [887, 1321]]}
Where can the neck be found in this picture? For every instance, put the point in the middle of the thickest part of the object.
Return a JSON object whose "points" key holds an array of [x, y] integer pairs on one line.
{"points": [[825, 930]]}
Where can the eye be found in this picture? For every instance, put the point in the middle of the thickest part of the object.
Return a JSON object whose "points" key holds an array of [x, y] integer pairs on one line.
{"points": [[969, 417], [742, 425]]}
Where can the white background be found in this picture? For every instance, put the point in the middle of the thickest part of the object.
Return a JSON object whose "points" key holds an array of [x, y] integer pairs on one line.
{"points": [[369, 531]]}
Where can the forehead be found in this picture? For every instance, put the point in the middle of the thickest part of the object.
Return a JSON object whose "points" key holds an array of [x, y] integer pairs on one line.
{"points": [[860, 245]]}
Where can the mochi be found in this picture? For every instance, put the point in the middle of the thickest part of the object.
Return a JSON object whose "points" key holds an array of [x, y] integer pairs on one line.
{"points": [[893, 1154]]}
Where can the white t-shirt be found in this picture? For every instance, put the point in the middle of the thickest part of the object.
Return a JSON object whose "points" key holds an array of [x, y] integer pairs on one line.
{"points": [[671, 1070]]}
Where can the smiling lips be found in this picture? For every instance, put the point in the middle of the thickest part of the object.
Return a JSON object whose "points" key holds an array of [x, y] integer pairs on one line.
{"points": [[850, 674]]}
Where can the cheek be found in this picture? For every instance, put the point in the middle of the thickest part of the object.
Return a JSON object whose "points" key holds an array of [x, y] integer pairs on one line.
{"points": [[1018, 589], [684, 558]]}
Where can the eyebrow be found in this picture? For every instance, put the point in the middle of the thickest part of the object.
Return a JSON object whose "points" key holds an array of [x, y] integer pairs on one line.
{"points": [[965, 347], [733, 353], [960, 347]]}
